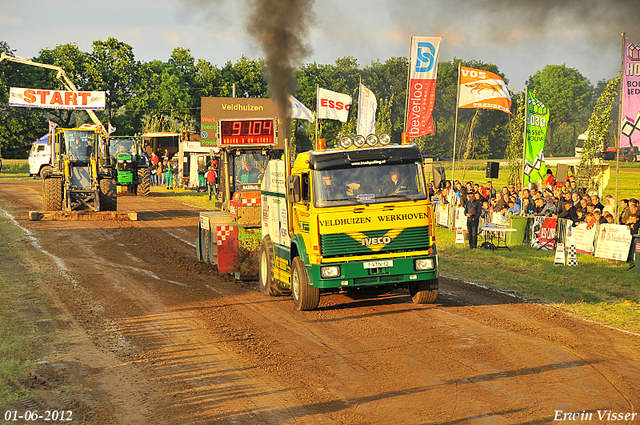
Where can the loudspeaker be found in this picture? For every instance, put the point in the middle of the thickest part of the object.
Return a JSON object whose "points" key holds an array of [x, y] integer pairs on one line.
{"points": [[439, 176], [561, 173], [492, 170]]}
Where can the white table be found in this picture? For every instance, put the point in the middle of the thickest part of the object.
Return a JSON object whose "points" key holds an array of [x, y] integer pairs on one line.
{"points": [[497, 232]]}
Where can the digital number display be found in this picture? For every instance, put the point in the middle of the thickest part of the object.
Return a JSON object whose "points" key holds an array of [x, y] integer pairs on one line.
{"points": [[247, 132]]}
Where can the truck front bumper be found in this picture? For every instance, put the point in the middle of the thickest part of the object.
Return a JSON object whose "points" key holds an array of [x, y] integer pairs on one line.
{"points": [[389, 271]]}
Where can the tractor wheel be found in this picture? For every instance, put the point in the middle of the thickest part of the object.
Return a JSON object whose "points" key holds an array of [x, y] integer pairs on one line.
{"points": [[424, 291], [108, 195], [44, 171], [265, 274], [52, 194], [144, 182], [305, 296]]}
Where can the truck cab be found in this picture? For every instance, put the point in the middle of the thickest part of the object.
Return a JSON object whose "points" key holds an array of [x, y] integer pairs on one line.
{"points": [[40, 156], [347, 220]]}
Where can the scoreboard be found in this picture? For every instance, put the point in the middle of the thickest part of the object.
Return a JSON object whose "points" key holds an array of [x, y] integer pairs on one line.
{"points": [[238, 122]]}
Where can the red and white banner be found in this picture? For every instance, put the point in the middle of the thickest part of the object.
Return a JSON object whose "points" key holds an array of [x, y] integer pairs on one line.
{"points": [[483, 90], [332, 105], [57, 99], [423, 72], [543, 232], [630, 123]]}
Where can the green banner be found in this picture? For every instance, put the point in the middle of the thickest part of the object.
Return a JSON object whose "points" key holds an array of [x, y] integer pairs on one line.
{"points": [[537, 120]]}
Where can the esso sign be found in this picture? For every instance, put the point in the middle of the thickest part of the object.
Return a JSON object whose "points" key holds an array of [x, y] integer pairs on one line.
{"points": [[333, 104]]}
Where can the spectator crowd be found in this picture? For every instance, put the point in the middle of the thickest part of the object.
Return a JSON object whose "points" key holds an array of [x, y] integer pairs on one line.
{"points": [[545, 198]]}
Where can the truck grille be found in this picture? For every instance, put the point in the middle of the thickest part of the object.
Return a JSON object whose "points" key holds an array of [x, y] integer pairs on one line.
{"points": [[349, 244]]}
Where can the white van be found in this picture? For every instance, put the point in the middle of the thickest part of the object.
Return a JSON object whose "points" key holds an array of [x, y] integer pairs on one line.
{"points": [[40, 156]]}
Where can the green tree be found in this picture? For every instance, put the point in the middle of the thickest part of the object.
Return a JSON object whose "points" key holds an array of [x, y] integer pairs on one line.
{"points": [[19, 127], [569, 97], [600, 122], [111, 67]]}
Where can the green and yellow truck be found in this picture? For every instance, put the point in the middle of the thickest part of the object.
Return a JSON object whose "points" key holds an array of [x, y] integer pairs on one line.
{"points": [[347, 219]]}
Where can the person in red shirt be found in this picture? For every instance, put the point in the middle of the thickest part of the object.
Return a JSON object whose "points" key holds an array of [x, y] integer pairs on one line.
{"points": [[550, 181], [211, 177]]}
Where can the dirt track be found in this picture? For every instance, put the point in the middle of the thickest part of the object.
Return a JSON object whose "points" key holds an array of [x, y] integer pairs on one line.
{"points": [[144, 334]]}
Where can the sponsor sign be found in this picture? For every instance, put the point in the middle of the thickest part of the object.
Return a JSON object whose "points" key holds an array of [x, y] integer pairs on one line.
{"points": [[630, 123], [583, 238], [332, 105], [423, 72], [543, 232], [56, 99], [483, 89], [613, 243]]}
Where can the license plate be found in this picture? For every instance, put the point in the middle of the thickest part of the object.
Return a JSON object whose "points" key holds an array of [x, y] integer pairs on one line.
{"points": [[378, 264]]}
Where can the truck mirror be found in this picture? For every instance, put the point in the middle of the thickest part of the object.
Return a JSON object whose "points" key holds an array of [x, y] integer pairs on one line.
{"points": [[294, 188]]}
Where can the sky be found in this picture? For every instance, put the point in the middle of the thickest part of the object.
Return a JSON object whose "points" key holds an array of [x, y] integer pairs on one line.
{"points": [[521, 37]]}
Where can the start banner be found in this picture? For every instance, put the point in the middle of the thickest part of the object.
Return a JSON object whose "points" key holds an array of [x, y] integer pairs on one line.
{"points": [[614, 242], [57, 99]]}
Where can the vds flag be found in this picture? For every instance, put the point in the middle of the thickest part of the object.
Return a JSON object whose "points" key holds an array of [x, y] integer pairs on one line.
{"points": [[483, 90], [537, 120], [630, 123], [332, 105], [423, 72]]}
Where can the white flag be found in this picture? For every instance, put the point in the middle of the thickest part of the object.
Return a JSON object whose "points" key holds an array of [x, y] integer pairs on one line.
{"points": [[298, 110], [332, 105], [52, 126], [367, 106], [111, 128]]}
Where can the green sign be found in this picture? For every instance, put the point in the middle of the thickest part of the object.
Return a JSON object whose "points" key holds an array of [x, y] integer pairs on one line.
{"points": [[537, 121]]}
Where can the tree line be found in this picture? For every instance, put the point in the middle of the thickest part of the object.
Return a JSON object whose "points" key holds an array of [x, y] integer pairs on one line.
{"points": [[165, 96]]}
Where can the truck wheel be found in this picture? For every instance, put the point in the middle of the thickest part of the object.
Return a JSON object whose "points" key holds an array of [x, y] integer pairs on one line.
{"points": [[52, 194], [424, 291], [305, 297], [108, 195], [44, 171], [266, 267], [144, 182]]}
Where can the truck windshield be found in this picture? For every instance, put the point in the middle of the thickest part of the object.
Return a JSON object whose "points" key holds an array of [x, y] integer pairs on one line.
{"points": [[79, 144], [249, 169], [368, 185], [122, 146]]}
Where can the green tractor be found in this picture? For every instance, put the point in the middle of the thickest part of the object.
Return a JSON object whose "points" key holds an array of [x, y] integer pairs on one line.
{"points": [[78, 179], [131, 165]]}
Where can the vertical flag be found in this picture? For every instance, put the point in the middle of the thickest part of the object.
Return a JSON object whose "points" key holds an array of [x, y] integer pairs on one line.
{"points": [[52, 126], [536, 131], [299, 111], [367, 105], [332, 105], [423, 72], [630, 122], [483, 90]]}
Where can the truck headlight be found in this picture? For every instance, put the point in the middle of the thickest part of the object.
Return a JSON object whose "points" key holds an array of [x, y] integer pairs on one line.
{"points": [[329, 271], [424, 264]]}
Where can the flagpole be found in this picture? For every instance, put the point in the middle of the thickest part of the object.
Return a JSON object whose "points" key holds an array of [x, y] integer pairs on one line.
{"points": [[619, 142], [316, 117], [455, 133], [406, 103], [524, 133]]}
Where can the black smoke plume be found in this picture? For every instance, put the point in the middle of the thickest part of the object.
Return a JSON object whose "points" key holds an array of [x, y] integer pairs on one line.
{"points": [[281, 28]]}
